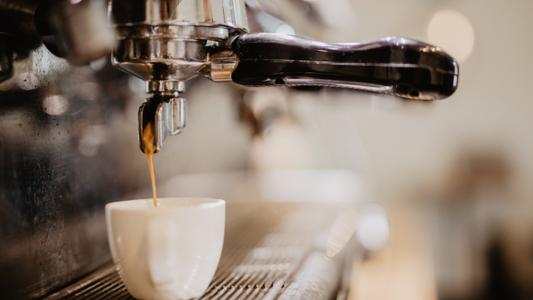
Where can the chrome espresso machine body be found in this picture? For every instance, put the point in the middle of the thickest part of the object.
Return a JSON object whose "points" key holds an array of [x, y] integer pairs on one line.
{"points": [[59, 129], [63, 123]]}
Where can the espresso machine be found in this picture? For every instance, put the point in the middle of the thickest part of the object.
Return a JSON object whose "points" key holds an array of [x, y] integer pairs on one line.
{"points": [[55, 156]]}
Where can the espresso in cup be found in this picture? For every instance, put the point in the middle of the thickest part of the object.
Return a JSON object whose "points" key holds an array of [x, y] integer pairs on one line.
{"points": [[166, 252]]}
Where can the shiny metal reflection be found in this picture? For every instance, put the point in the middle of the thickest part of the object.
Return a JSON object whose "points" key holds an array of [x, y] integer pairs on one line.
{"points": [[341, 232]]}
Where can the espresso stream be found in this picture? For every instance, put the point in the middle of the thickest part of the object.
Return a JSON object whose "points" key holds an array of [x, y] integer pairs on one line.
{"points": [[149, 150]]}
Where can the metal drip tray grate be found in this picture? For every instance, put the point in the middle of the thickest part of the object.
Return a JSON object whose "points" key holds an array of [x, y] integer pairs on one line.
{"points": [[265, 244]]}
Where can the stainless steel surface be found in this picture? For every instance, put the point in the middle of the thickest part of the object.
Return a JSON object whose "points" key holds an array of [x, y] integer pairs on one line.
{"points": [[162, 56], [185, 12], [102, 284], [271, 251], [60, 127], [56, 139], [76, 30], [222, 64], [53, 123], [174, 62], [165, 87], [159, 40]]}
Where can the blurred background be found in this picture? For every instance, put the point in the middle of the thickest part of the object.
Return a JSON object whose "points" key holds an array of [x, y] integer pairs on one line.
{"points": [[452, 175]]}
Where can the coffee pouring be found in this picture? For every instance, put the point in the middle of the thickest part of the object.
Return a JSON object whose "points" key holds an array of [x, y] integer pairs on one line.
{"points": [[168, 42]]}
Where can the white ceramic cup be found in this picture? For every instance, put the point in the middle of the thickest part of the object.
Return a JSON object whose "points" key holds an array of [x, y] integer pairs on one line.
{"points": [[168, 252]]}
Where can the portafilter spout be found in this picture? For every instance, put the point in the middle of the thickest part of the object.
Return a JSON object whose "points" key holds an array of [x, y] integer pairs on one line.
{"points": [[165, 113]]}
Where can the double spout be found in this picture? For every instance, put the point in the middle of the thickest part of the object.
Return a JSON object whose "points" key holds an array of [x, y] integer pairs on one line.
{"points": [[163, 114]]}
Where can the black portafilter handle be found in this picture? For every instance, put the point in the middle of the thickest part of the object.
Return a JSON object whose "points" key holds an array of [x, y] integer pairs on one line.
{"points": [[397, 66]]}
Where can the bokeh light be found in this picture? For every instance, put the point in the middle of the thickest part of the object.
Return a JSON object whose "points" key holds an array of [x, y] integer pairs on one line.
{"points": [[453, 32]]}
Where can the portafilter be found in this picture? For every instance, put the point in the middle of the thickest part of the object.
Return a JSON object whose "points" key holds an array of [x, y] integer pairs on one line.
{"points": [[167, 42]]}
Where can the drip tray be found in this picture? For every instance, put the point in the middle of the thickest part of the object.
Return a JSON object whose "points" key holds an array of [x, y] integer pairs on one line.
{"points": [[271, 251]]}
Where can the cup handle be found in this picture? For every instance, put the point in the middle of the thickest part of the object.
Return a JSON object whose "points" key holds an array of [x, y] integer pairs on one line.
{"points": [[162, 260]]}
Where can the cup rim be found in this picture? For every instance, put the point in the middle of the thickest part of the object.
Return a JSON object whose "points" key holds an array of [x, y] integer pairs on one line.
{"points": [[135, 205]]}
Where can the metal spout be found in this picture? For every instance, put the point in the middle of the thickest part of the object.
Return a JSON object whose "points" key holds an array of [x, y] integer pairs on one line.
{"points": [[165, 115]]}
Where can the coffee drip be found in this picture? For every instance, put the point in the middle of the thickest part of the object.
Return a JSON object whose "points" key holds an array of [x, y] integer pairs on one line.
{"points": [[149, 150]]}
